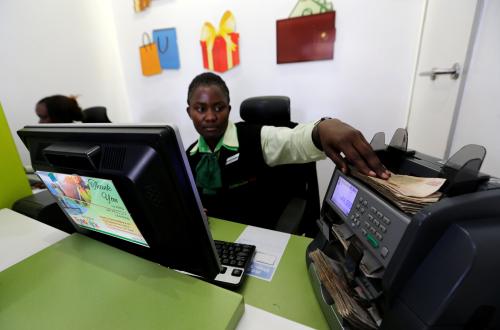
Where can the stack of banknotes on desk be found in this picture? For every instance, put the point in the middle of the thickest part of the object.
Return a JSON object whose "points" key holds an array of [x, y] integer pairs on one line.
{"points": [[409, 193]]}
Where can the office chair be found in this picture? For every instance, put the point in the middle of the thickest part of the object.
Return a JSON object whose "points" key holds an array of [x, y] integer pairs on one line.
{"points": [[95, 115], [294, 186]]}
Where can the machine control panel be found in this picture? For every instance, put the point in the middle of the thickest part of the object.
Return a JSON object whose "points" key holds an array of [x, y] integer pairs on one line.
{"points": [[378, 224]]}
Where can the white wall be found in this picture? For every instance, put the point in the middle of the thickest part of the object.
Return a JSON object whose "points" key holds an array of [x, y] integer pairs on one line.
{"points": [[90, 47], [479, 117], [58, 47], [367, 84]]}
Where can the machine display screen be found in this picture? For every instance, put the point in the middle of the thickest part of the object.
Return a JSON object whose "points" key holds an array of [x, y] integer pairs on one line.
{"points": [[93, 204], [344, 195]]}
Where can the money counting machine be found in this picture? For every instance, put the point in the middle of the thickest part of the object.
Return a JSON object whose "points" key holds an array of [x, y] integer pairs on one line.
{"points": [[436, 269]]}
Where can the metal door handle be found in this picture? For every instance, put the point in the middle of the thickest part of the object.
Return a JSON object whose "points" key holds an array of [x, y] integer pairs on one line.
{"points": [[454, 71]]}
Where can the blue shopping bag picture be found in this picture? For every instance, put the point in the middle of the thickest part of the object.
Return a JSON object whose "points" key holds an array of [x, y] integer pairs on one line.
{"points": [[168, 52]]}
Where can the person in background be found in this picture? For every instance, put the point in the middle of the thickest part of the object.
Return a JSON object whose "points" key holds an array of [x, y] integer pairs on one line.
{"points": [[58, 109], [227, 158]]}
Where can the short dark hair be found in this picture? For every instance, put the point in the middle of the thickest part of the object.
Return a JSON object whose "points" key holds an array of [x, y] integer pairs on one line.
{"points": [[62, 109], [207, 79]]}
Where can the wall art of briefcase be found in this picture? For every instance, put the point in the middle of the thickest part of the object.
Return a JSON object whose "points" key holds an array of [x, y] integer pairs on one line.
{"points": [[308, 34]]}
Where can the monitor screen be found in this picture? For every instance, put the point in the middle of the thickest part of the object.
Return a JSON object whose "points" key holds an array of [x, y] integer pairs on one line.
{"points": [[128, 186]]}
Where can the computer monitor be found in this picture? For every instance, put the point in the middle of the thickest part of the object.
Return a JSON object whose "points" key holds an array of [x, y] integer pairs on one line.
{"points": [[128, 186]]}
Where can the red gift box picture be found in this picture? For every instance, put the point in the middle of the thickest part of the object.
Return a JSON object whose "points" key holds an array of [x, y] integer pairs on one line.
{"points": [[220, 49]]}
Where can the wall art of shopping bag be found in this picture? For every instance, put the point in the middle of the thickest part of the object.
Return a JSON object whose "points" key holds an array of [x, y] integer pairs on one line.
{"points": [[220, 48], [305, 38], [168, 52], [141, 5], [150, 62]]}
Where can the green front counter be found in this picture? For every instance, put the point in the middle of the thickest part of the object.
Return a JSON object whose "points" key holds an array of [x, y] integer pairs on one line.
{"points": [[79, 283]]}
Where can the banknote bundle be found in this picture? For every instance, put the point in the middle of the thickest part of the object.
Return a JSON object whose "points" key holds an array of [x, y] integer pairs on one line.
{"points": [[409, 193], [333, 279]]}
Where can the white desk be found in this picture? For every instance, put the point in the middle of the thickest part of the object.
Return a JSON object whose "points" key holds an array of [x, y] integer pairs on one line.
{"points": [[257, 319], [21, 237]]}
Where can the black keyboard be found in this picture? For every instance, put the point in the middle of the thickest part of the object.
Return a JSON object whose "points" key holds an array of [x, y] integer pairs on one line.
{"points": [[235, 259]]}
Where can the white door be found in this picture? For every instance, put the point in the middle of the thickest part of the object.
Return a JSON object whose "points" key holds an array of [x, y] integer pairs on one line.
{"points": [[479, 117], [446, 40]]}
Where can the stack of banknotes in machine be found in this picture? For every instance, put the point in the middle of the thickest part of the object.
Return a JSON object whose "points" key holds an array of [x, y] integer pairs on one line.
{"points": [[346, 301], [409, 193]]}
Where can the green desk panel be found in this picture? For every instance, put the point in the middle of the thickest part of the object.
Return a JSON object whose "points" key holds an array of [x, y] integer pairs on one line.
{"points": [[13, 181], [80, 283], [290, 293]]}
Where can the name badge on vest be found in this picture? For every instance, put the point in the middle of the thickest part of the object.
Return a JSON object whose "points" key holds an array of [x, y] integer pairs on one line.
{"points": [[232, 159]]}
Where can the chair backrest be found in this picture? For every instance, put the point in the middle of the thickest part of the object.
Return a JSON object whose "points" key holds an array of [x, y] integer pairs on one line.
{"points": [[95, 115], [266, 110], [295, 184]]}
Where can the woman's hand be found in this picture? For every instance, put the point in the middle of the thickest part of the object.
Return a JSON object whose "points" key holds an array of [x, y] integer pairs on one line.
{"points": [[337, 138]]}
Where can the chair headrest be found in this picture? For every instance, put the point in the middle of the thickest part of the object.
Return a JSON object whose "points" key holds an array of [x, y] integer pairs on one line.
{"points": [[95, 115], [266, 110]]}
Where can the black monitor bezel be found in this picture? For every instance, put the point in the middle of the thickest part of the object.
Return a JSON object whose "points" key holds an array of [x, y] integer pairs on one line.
{"points": [[189, 245]]}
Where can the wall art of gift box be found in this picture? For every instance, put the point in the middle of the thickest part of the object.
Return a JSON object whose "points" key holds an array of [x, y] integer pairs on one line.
{"points": [[220, 48], [160, 53], [308, 34]]}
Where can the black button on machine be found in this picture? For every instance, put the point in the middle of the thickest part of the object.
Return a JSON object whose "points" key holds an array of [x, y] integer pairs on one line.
{"points": [[386, 220], [384, 251], [237, 272]]}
